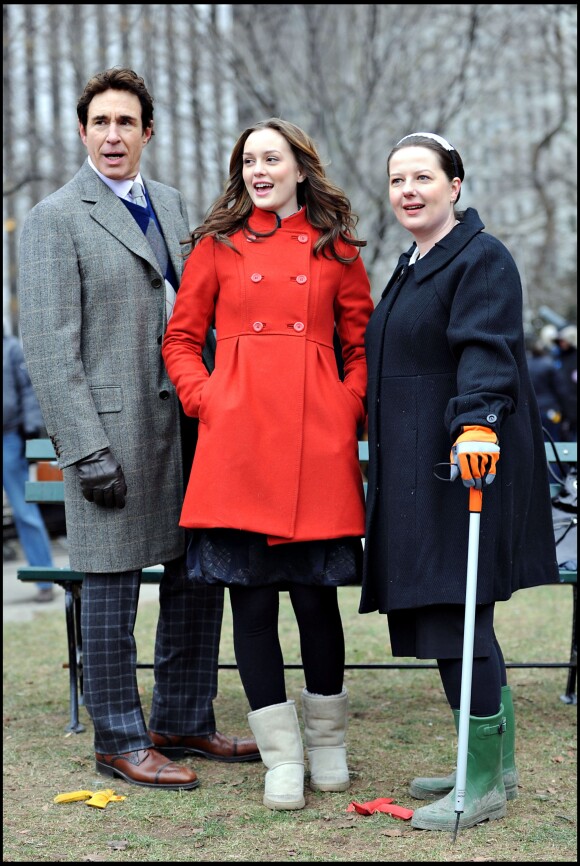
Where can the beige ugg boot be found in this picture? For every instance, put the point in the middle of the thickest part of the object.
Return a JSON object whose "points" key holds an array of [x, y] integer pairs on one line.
{"points": [[279, 740], [325, 721]]}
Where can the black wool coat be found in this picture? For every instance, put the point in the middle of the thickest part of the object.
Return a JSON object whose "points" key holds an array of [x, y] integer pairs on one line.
{"points": [[445, 348]]}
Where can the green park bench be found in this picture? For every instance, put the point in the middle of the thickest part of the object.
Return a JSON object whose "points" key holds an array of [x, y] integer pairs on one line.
{"points": [[71, 581]]}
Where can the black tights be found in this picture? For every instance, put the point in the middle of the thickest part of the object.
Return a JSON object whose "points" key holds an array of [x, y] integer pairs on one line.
{"points": [[257, 645], [489, 675]]}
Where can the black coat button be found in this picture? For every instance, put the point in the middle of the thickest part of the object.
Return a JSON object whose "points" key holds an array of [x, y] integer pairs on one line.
{"points": [[164, 395], [156, 283]]}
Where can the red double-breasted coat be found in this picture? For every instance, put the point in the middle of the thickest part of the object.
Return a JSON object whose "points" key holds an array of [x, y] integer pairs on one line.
{"points": [[277, 448]]}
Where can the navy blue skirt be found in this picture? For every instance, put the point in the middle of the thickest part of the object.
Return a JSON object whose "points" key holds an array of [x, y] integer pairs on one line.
{"points": [[233, 557], [436, 631]]}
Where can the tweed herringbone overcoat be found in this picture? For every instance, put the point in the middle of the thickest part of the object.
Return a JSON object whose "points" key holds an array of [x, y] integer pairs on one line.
{"points": [[445, 348], [277, 451], [92, 316]]}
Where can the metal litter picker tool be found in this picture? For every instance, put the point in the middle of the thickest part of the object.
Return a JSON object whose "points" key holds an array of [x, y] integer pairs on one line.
{"points": [[475, 502]]}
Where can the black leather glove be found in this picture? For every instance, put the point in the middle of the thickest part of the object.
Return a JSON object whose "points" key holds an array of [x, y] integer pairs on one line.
{"points": [[102, 480]]}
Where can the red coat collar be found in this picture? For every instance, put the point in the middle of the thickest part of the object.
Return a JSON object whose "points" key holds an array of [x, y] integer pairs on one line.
{"points": [[266, 220]]}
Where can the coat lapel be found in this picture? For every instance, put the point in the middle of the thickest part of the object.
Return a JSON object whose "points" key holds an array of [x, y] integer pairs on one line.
{"points": [[165, 212], [448, 247], [110, 212]]}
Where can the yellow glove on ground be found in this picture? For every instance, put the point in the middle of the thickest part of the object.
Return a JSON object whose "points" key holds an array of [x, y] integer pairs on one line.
{"points": [[72, 797], [101, 798], [98, 799], [474, 456]]}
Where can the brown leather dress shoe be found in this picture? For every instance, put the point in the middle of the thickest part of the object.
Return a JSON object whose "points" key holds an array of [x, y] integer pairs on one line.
{"points": [[146, 767], [216, 747]]}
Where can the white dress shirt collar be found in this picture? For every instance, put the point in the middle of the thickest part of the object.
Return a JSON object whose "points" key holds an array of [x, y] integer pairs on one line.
{"points": [[122, 188]]}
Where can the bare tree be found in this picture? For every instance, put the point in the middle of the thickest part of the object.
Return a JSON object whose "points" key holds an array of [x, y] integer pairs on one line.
{"points": [[360, 78], [497, 81], [54, 48], [10, 238], [31, 93], [543, 171]]}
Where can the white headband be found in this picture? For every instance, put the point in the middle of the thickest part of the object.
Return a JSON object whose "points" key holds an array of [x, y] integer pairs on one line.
{"points": [[442, 141]]}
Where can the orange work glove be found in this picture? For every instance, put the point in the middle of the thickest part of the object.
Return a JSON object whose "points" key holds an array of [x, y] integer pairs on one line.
{"points": [[474, 456]]}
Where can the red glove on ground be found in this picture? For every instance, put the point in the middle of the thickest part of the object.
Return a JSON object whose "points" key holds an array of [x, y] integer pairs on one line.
{"points": [[382, 804]]}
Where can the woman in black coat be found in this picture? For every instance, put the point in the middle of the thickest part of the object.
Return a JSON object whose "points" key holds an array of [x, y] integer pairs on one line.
{"points": [[447, 367]]}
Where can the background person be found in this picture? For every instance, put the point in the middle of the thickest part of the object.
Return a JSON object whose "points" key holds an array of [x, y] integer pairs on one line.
{"points": [[542, 370], [22, 420], [275, 493], [566, 376], [98, 273], [447, 367]]}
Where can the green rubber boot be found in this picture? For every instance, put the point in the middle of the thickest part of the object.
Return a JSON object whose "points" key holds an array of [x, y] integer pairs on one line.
{"points": [[434, 787], [485, 798], [508, 754], [431, 788]]}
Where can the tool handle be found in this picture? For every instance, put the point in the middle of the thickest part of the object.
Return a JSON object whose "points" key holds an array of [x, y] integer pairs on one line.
{"points": [[467, 655], [475, 500]]}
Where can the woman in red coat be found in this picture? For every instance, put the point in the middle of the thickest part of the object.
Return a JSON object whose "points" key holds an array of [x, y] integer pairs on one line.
{"points": [[275, 498]]}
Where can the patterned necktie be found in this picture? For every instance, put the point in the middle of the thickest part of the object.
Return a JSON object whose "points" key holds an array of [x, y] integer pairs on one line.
{"points": [[137, 195], [157, 244]]}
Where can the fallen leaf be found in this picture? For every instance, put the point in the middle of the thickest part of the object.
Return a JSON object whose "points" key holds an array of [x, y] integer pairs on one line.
{"points": [[558, 759], [392, 833]]}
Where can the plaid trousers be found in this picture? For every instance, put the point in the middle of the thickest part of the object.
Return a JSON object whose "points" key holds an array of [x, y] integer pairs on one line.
{"points": [[185, 663]]}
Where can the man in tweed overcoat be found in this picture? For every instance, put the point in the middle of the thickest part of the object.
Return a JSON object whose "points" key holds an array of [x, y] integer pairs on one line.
{"points": [[98, 272]]}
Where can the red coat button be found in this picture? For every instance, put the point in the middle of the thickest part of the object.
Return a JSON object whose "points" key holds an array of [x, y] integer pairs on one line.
{"points": [[298, 326], [303, 239], [301, 278], [255, 278], [258, 326]]}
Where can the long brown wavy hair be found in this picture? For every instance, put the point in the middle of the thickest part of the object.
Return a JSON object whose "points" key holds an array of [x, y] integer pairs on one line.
{"points": [[327, 207]]}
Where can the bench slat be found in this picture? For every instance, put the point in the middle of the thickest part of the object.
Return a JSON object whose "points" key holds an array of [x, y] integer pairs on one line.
{"points": [[34, 573], [44, 491], [567, 451], [40, 449], [71, 581]]}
